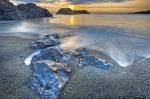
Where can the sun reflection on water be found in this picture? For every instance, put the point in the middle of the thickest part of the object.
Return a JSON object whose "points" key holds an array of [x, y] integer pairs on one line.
{"points": [[70, 43], [72, 21]]}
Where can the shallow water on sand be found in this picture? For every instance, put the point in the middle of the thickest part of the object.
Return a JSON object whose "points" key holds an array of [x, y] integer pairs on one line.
{"points": [[121, 37]]}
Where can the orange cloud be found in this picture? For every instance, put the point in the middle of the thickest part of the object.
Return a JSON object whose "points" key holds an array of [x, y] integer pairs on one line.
{"points": [[128, 6]]}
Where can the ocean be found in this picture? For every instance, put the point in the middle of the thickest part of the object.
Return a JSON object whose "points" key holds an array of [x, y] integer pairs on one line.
{"points": [[122, 37]]}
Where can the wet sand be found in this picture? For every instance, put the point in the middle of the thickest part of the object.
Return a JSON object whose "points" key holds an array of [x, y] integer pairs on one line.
{"points": [[90, 82]]}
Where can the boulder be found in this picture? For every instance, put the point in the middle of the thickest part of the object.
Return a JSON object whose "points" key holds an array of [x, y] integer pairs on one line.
{"points": [[50, 78], [52, 66], [51, 53], [49, 40], [86, 60]]}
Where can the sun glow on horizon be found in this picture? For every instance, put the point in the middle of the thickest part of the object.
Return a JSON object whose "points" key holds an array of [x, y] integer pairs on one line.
{"points": [[105, 7], [72, 7]]}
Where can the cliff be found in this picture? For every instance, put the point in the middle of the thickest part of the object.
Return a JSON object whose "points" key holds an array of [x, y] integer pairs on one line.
{"points": [[8, 11]]}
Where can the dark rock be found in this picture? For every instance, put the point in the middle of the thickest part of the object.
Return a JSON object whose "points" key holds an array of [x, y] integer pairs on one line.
{"points": [[47, 13], [8, 11], [50, 69], [46, 41], [56, 36], [68, 11], [30, 10], [66, 35], [50, 78], [51, 53], [143, 12], [93, 61], [86, 60], [81, 12], [66, 56]]}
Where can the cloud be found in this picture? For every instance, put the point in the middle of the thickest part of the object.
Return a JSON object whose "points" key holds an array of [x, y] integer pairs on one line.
{"points": [[95, 1], [72, 1]]}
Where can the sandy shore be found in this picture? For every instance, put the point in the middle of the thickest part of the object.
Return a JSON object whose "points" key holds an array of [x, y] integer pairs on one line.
{"points": [[132, 82], [14, 75]]}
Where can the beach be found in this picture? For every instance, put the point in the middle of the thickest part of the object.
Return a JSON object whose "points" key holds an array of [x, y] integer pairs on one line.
{"points": [[85, 83], [74, 49], [14, 75]]}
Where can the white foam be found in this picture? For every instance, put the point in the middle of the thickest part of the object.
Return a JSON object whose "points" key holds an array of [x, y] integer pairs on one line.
{"points": [[29, 58]]}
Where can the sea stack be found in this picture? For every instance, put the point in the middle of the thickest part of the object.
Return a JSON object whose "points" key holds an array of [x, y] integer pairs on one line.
{"points": [[68, 11]]}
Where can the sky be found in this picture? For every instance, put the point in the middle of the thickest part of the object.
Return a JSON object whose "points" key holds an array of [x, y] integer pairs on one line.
{"points": [[102, 6]]}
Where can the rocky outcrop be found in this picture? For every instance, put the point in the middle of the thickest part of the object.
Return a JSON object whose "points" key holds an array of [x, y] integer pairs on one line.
{"points": [[81, 12], [143, 12], [8, 11], [51, 65], [68, 11], [30, 10]]}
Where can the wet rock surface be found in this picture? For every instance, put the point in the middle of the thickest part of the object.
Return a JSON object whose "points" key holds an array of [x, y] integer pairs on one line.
{"points": [[50, 65], [46, 41], [50, 77], [51, 53]]}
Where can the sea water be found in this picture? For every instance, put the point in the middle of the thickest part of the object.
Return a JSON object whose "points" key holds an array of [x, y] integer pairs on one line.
{"points": [[122, 37]]}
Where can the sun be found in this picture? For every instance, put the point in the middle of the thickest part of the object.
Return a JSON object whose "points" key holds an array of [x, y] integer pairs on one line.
{"points": [[72, 7]]}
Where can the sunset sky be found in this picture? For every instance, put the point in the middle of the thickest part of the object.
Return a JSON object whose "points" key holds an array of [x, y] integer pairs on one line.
{"points": [[106, 6]]}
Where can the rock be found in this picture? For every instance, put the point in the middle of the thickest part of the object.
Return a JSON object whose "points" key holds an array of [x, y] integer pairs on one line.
{"points": [[66, 35], [8, 11], [46, 41], [93, 61], [68, 11], [143, 12], [51, 53], [66, 56], [47, 13], [28, 60], [55, 36], [30, 10], [81, 12], [50, 78], [50, 65], [86, 60]]}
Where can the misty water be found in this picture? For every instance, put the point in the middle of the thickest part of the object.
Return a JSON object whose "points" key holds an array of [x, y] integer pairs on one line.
{"points": [[121, 37]]}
